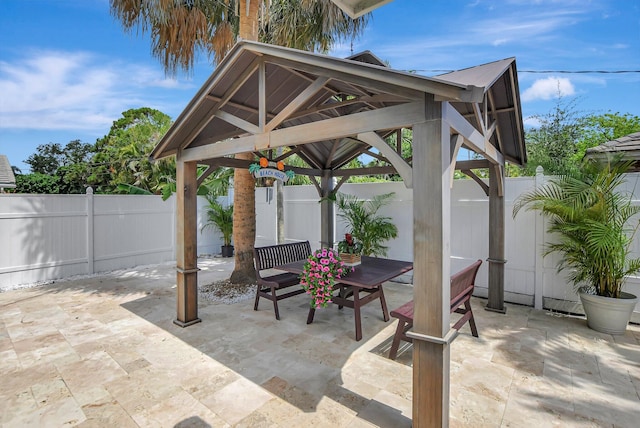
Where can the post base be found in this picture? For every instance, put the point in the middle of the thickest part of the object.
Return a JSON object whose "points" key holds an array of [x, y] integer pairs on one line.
{"points": [[500, 311], [186, 324]]}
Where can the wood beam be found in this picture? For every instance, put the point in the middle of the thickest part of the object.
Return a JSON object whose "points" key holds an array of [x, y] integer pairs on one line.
{"points": [[238, 106], [262, 97], [474, 177], [473, 164], [186, 243], [332, 153], [494, 111], [456, 143], [479, 119], [379, 98], [240, 163], [385, 118], [380, 82], [237, 84], [516, 104], [375, 170], [473, 138], [239, 122], [375, 155], [297, 102], [431, 267], [192, 107], [495, 121], [403, 168]]}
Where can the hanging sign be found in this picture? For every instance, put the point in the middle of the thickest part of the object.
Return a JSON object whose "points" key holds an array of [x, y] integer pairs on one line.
{"points": [[276, 171]]}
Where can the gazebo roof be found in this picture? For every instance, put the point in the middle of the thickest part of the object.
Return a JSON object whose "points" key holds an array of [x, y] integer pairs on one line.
{"points": [[7, 179], [627, 147], [301, 88]]}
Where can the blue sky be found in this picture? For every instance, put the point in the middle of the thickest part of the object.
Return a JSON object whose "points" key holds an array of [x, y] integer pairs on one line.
{"points": [[68, 70]]}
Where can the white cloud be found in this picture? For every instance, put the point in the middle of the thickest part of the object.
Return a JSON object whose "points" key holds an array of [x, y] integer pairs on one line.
{"points": [[549, 88], [523, 29], [55, 90], [532, 122]]}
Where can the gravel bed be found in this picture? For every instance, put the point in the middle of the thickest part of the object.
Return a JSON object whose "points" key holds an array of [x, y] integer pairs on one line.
{"points": [[226, 292]]}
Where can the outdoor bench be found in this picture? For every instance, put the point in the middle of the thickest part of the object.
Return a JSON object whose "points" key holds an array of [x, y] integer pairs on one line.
{"points": [[277, 255], [462, 284]]}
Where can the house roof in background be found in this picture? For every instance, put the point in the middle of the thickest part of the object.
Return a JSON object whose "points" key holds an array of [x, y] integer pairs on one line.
{"points": [[628, 147], [7, 179]]}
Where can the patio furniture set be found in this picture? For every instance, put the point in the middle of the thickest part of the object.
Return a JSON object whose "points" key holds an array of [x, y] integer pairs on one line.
{"points": [[355, 290]]}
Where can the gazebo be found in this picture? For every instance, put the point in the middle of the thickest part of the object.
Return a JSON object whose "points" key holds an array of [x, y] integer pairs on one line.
{"points": [[329, 111]]}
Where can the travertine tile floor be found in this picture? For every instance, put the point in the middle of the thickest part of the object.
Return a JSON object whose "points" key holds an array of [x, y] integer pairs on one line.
{"points": [[103, 352]]}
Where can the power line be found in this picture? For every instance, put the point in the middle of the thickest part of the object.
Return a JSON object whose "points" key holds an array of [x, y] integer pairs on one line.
{"points": [[546, 71]]}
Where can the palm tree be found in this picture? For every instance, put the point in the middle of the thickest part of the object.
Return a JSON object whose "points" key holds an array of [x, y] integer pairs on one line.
{"points": [[181, 28], [220, 217]]}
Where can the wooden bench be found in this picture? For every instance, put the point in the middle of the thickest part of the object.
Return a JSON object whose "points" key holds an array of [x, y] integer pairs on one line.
{"points": [[275, 255], [462, 284]]}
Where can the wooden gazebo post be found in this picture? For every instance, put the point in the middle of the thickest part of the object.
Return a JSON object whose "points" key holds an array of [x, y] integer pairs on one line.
{"points": [[431, 252], [186, 243], [326, 209], [496, 258]]}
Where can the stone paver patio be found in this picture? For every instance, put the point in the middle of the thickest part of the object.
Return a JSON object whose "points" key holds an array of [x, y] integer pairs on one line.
{"points": [[103, 351]]}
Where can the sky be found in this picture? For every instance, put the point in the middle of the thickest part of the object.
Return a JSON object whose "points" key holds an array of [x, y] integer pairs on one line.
{"points": [[68, 70]]}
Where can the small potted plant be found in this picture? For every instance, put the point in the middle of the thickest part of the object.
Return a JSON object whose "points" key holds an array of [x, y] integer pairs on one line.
{"points": [[350, 250], [319, 275], [369, 228], [594, 224], [221, 218]]}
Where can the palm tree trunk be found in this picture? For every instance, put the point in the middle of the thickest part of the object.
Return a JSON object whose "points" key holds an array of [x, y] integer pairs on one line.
{"points": [[244, 203]]}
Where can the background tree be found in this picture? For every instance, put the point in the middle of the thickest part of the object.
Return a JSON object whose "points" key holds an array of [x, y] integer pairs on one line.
{"points": [[46, 159], [56, 169], [123, 154], [563, 136], [37, 183], [598, 129], [180, 29], [553, 144]]}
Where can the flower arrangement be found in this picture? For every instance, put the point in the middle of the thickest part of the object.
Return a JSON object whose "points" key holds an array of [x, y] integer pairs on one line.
{"points": [[320, 273], [349, 245]]}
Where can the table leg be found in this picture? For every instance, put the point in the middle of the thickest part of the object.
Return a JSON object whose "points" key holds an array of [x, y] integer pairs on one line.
{"points": [[356, 310], [312, 312], [383, 302]]}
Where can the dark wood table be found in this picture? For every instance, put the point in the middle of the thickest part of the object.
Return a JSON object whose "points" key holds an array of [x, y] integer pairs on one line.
{"points": [[367, 277]]}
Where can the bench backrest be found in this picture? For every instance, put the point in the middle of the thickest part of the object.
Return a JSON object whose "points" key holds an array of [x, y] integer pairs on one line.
{"points": [[274, 255], [462, 283]]}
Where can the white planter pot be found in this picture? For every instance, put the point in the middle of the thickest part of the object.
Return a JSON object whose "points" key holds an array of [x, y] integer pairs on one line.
{"points": [[606, 314]]}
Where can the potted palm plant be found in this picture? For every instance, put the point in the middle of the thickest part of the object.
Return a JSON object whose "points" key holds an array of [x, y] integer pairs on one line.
{"points": [[368, 229], [221, 218], [594, 224]]}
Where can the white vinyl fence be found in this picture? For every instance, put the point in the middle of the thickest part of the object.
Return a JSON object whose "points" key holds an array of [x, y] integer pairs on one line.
{"points": [[45, 237]]}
